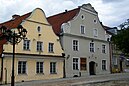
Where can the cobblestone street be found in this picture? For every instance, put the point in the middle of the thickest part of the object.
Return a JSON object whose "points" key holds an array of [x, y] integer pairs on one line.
{"points": [[109, 83], [119, 79]]}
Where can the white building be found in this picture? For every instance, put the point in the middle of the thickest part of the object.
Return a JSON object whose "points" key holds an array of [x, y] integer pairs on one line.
{"points": [[84, 41]]}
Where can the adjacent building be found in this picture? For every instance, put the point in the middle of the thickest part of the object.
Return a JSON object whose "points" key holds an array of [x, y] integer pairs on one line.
{"points": [[37, 57], [84, 41], [119, 61]]}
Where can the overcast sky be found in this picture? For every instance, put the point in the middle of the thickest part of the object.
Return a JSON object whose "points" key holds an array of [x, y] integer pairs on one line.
{"points": [[111, 12]]}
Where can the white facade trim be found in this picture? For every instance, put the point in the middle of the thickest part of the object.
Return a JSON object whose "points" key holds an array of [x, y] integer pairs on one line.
{"points": [[89, 11]]}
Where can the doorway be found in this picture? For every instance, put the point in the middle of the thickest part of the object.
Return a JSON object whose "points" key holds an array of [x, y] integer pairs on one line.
{"points": [[121, 69], [92, 68]]}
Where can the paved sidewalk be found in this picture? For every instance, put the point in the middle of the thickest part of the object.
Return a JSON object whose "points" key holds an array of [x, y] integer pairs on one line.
{"points": [[75, 81]]}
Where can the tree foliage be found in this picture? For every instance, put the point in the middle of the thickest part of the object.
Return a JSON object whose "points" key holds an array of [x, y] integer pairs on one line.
{"points": [[122, 39]]}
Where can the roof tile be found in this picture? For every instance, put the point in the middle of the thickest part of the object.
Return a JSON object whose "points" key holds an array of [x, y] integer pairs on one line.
{"points": [[57, 20]]}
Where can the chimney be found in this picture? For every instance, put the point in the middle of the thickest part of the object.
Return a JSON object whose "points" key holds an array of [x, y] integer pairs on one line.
{"points": [[15, 16], [66, 11]]}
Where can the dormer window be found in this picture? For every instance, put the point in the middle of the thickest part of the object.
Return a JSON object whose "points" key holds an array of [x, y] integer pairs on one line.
{"points": [[39, 29]]}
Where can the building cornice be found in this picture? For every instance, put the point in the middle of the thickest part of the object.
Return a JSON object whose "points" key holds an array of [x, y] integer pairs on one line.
{"points": [[33, 56], [89, 11], [84, 37]]}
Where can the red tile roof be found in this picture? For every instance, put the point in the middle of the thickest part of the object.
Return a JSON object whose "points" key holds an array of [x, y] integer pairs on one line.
{"points": [[57, 20], [12, 24]]}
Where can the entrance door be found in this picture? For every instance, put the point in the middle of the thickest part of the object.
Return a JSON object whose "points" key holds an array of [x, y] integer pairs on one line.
{"points": [[92, 68], [121, 69]]}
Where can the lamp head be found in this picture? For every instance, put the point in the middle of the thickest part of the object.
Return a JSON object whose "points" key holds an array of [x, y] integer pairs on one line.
{"points": [[24, 32], [3, 29], [20, 29]]}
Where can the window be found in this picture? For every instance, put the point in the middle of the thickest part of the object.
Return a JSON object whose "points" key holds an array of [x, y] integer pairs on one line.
{"points": [[75, 64], [127, 63], [103, 48], [83, 63], [53, 67], [39, 67], [75, 45], [95, 21], [26, 45], [95, 32], [39, 46], [103, 64], [22, 67], [82, 17], [82, 29], [50, 48], [92, 47], [39, 29]]}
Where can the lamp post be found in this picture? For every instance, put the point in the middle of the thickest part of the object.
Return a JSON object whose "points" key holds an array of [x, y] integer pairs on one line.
{"points": [[2, 56], [14, 36]]}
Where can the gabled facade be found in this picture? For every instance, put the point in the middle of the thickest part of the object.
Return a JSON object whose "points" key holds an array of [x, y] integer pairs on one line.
{"points": [[39, 56], [84, 41]]}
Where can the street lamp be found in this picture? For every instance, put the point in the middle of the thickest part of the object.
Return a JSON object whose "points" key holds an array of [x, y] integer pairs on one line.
{"points": [[14, 36]]}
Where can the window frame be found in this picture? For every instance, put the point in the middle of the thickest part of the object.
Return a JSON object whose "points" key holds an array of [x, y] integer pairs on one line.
{"points": [[21, 67], [39, 29], [83, 17], [95, 32], [51, 47], [26, 44], [95, 21], [76, 65], [103, 48], [92, 48], [39, 46], [53, 67], [82, 30], [75, 46], [39, 67], [104, 65]]}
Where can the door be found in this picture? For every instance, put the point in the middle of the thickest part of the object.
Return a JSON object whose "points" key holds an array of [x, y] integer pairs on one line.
{"points": [[92, 68]]}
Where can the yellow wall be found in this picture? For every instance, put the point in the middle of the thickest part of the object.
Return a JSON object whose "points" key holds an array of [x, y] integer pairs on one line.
{"points": [[47, 35], [31, 69], [37, 18]]}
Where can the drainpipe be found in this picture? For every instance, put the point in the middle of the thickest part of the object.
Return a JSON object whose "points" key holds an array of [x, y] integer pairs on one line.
{"points": [[110, 52], [64, 74], [5, 76]]}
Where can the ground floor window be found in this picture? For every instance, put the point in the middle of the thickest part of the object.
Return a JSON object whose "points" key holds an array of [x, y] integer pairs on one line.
{"points": [[22, 67], [103, 64], [39, 67], [53, 67], [75, 63], [83, 63]]}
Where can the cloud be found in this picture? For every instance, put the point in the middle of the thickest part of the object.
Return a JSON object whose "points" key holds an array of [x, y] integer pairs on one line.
{"points": [[110, 12], [111, 1]]}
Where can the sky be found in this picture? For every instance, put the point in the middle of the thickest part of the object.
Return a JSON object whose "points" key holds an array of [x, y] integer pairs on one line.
{"points": [[111, 12]]}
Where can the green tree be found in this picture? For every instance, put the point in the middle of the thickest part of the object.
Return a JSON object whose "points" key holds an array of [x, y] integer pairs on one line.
{"points": [[122, 40]]}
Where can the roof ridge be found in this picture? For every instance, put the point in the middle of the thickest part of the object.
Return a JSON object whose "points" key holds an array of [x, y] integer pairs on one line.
{"points": [[11, 20], [63, 12]]}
